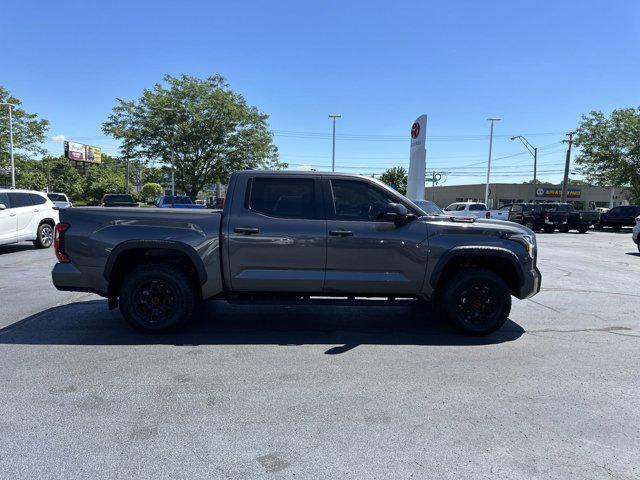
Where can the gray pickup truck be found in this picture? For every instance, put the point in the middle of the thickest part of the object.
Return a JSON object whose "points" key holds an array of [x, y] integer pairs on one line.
{"points": [[296, 236]]}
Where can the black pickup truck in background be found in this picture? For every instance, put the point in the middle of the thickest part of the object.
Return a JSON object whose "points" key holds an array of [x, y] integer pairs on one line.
{"points": [[550, 216], [618, 217], [564, 217]]}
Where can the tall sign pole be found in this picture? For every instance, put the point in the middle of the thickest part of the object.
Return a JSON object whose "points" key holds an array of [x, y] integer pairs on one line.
{"points": [[417, 159]]}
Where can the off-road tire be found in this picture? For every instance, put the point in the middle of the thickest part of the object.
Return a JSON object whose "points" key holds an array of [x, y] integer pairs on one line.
{"points": [[475, 301], [157, 298]]}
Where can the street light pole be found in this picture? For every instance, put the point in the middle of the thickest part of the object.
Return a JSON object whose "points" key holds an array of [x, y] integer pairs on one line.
{"points": [[486, 190], [333, 152], [13, 165]]}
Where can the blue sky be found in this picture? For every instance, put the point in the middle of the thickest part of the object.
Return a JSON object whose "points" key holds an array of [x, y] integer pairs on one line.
{"points": [[538, 65]]}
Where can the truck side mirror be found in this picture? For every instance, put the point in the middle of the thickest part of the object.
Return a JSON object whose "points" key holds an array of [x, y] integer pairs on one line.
{"points": [[397, 213]]}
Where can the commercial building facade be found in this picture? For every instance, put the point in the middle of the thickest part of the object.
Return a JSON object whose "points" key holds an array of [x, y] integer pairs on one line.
{"points": [[583, 197]]}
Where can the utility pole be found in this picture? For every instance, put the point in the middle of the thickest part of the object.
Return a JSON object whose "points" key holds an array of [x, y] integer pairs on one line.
{"points": [[486, 190], [566, 167], [13, 165], [333, 152]]}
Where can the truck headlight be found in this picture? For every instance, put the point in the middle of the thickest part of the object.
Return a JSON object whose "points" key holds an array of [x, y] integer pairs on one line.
{"points": [[526, 240]]}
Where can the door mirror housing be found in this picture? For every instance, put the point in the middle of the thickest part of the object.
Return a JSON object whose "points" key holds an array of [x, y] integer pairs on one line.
{"points": [[3, 206], [398, 214]]}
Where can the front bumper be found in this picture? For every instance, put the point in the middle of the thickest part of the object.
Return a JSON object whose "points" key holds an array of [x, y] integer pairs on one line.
{"points": [[531, 283]]}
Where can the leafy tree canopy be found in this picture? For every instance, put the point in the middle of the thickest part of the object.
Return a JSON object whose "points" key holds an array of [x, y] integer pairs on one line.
{"points": [[396, 177], [610, 148], [151, 191], [28, 134], [199, 126]]}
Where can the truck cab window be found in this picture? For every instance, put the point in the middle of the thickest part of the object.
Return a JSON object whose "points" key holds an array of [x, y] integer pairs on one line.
{"points": [[355, 200], [283, 197]]}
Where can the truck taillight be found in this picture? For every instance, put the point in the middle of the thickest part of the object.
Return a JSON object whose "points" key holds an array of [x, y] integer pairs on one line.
{"points": [[58, 242]]}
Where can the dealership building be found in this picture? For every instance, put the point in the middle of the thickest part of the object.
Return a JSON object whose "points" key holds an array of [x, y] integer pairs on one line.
{"points": [[583, 197]]}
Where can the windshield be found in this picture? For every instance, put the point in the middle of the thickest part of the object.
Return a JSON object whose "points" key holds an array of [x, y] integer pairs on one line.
{"points": [[180, 200], [428, 207], [118, 198]]}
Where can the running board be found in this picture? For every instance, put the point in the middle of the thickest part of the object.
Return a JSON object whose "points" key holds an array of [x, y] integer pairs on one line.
{"points": [[327, 301]]}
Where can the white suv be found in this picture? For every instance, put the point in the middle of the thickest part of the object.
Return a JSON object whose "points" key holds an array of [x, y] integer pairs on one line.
{"points": [[27, 215]]}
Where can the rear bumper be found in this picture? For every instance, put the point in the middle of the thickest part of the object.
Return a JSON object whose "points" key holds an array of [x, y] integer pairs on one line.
{"points": [[531, 283], [67, 277]]}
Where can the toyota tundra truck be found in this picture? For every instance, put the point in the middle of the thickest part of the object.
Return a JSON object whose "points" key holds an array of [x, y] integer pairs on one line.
{"points": [[296, 237]]}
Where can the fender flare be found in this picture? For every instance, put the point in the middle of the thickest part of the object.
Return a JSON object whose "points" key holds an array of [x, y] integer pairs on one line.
{"points": [[181, 247], [496, 252]]}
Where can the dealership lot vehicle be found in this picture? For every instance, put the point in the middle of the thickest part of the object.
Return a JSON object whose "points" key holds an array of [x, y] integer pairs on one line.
{"points": [[618, 217], [564, 217], [118, 200], [636, 232], [26, 215], [531, 215], [177, 201], [475, 210], [310, 392], [60, 200], [295, 234]]}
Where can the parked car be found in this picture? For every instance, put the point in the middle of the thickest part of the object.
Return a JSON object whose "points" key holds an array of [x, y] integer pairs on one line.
{"points": [[618, 217], [428, 207], [217, 203], [176, 201], [289, 236], [565, 217], [636, 232], [475, 210], [27, 215], [531, 215], [118, 200], [60, 200]]}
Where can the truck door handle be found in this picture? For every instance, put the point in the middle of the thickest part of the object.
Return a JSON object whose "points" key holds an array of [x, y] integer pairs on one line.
{"points": [[341, 233], [246, 230]]}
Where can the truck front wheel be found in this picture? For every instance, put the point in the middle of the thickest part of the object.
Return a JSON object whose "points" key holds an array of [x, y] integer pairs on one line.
{"points": [[156, 298], [476, 301]]}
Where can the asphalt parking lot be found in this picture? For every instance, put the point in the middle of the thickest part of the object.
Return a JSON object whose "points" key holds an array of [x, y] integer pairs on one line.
{"points": [[334, 392]]}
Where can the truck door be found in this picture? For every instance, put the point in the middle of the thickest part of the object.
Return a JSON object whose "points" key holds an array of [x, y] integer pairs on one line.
{"points": [[277, 238], [366, 255]]}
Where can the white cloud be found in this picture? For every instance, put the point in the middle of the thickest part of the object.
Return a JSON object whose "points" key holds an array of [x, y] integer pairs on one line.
{"points": [[58, 138]]}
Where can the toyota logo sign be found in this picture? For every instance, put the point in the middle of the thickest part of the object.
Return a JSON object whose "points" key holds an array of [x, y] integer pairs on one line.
{"points": [[415, 130]]}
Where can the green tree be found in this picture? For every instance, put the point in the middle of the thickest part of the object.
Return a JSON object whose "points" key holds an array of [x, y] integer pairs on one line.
{"points": [[610, 149], [63, 177], [151, 191], [200, 126], [396, 177], [107, 177], [28, 133]]}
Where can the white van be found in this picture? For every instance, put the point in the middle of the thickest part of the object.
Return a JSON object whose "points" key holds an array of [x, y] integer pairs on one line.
{"points": [[27, 215]]}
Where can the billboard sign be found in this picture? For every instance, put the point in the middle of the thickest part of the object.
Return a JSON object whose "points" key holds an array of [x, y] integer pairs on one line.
{"points": [[556, 192], [82, 153]]}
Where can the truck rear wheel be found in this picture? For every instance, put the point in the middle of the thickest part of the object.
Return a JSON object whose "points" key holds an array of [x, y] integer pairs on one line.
{"points": [[583, 228], [476, 301], [156, 298]]}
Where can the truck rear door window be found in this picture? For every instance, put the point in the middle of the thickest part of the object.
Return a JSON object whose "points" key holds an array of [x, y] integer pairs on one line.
{"points": [[283, 197]]}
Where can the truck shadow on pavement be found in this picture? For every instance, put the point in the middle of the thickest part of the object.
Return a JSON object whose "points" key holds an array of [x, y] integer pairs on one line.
{"points": [[18, 247], [220, 323]]}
